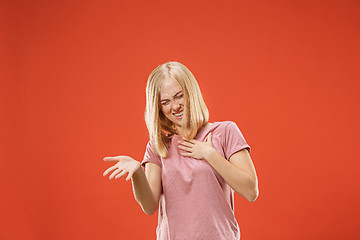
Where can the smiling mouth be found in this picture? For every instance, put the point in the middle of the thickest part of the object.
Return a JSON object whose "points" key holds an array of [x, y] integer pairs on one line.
{"points": [[178, 115]]}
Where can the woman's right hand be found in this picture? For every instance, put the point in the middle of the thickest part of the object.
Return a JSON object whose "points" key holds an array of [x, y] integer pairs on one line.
{"points": [[124, 165]]}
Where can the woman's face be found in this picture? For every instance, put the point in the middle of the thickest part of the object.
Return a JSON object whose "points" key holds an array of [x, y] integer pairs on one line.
{"points": [[172, 101]]}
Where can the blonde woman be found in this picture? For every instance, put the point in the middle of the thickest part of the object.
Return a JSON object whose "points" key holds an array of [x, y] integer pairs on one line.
{"points": [[192, 167]]}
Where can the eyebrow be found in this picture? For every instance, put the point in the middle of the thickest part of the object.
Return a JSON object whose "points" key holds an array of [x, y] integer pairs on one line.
{"points": [[173, 96]]}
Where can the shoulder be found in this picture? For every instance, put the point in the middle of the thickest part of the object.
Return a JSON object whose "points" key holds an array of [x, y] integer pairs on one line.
{"points": [[151, 155], [150, 149], [228, 129], [223, 129], [225, 125]]}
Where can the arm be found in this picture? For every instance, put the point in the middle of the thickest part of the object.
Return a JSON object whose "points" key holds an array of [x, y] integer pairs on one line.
{"points": [[238, 172], [146, 186]]}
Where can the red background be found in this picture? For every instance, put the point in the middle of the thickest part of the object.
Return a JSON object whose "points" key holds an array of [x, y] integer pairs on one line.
{"points": [[73, 77]]}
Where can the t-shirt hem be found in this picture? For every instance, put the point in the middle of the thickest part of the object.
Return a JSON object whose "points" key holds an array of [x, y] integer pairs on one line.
{"points": [[247, 147], [143, 163]]}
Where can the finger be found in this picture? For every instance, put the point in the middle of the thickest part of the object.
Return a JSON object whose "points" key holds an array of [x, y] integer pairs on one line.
{"points": [[208, 139], [109, 170], [186, 154], [192, 141], [111, 159], [129, 176], [187, 149], [114, 173], [120, 174], [187, 144]]}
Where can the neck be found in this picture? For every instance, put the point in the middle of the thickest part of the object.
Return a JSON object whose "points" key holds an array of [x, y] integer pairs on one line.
{"points": [[182, 132]]}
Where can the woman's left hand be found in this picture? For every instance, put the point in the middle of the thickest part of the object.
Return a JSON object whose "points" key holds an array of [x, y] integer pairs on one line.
{"points": [[196, 149]]}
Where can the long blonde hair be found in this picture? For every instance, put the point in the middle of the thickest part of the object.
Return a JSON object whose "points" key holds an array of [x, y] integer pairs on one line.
{"points": [[196, 114]]}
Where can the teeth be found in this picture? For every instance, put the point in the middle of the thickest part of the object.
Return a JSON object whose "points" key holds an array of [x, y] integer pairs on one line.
{"points": [[178, 114]]}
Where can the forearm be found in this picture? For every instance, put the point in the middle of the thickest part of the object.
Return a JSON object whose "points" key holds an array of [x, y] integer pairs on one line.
{"points": [[143, 193], [238, 179]]}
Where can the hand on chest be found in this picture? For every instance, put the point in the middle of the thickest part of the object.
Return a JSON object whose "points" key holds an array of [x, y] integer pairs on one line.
{"points": [[179, 170]]}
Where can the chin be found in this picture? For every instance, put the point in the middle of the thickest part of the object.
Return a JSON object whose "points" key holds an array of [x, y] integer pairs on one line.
{"points": [[177, 122]]}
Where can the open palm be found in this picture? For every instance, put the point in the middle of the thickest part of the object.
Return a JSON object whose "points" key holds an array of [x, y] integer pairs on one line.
{"points": [[123, 166]]}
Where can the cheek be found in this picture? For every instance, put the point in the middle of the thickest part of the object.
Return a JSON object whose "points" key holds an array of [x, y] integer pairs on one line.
{"points": [[182, 101], [165, 110]]}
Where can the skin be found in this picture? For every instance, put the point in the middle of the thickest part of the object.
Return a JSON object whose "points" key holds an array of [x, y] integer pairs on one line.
{"points": [[172, 101], [238, 172]]}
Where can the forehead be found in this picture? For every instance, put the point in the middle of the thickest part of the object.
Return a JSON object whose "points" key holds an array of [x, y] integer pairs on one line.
{"points": [[169, 87]]}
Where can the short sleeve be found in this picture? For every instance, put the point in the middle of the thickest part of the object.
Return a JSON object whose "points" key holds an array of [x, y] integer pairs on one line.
{"points": [[234, 141], [151, 156]]}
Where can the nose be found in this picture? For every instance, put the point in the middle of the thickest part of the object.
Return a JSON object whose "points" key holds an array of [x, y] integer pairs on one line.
{"points": [[176, 105]]}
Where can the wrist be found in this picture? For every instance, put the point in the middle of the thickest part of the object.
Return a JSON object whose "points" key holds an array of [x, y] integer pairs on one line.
{"points": [[138, 172], [210, 154]]}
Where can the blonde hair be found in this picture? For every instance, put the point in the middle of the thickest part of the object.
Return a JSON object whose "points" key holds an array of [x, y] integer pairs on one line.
{"points": [[196, 114]]}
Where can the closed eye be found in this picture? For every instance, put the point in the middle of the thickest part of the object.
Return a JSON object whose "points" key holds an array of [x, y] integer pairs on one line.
{"points": [[179, 96]]}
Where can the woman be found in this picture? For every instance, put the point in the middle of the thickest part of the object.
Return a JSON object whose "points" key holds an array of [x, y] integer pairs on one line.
{"points": [[192, 167]]}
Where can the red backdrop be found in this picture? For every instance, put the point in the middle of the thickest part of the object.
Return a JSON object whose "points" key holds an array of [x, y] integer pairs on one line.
{"points": [[73, 77]]}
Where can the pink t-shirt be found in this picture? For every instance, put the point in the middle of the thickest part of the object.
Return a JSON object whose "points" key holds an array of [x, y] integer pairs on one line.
{"points": [[196, 202]]}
